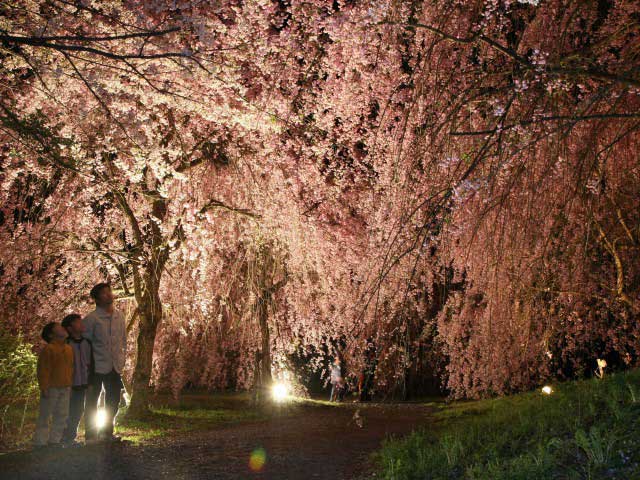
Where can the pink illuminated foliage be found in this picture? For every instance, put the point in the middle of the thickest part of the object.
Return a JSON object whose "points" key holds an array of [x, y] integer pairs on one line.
{"points": [[457, 181]]}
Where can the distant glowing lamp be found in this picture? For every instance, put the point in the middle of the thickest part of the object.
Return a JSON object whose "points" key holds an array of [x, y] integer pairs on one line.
{"points": [[280, 392], [101, 418], [547, 390]]}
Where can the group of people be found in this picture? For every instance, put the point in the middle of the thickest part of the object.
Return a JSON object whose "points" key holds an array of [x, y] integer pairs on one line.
{"points": [[83, 357]]}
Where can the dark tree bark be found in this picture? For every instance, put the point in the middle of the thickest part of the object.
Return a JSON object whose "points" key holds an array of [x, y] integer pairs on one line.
{"points": [[263, 320], [268, 269], [150, 311], [149, 307]]}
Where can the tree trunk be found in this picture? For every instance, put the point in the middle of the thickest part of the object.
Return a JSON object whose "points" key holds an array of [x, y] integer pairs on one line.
{"points": [[263, 319], [150, 311]]}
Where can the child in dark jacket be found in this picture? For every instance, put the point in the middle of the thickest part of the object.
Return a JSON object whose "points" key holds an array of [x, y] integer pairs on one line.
{"points": [[55, 371], [81, 371]]}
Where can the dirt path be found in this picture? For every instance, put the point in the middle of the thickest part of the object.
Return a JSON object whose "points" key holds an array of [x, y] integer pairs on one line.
{"points": [[313, 443]]}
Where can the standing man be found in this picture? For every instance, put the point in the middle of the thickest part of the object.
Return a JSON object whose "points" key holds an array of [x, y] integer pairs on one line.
{"points": [[106, 330]]}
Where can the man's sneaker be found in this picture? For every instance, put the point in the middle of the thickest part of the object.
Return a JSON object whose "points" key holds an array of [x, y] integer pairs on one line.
{"points": [[111, 438]]}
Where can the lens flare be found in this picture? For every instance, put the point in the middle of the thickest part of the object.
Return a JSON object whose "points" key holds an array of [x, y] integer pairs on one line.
{"points": [[547, 390], [257, 459], [101, 418], [280, 392]]}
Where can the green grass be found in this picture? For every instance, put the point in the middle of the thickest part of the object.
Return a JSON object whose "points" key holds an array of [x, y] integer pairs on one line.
{"points": [[203, 411], [584, 430], [191, 413], [17, 425], [168, 421]]}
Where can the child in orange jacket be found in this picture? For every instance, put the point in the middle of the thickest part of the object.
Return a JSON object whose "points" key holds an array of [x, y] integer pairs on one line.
{"points": [[55, 375]]}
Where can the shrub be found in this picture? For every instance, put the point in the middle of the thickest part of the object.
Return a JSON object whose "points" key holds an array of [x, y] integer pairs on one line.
{"points": [[18, 382]]}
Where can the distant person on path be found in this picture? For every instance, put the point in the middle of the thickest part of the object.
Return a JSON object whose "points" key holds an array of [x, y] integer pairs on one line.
{"points": [[337, 381], [55, 371], [106, 330], [81, 375]]}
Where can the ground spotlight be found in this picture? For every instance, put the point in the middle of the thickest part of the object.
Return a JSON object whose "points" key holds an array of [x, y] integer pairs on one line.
{"points": [[101, 418], [280, 392]]}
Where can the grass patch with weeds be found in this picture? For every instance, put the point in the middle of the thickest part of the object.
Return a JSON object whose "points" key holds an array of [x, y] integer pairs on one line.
{"points": [[585, 430], [191, 413], [17, 425]]}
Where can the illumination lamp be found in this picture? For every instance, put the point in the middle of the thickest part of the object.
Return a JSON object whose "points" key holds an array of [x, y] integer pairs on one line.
{"points": [[101, 418], [280, 392]]}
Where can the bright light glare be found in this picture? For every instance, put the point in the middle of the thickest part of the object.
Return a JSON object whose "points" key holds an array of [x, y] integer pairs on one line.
{"points": [[280, 392], [547, 390], [101, 418]]}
